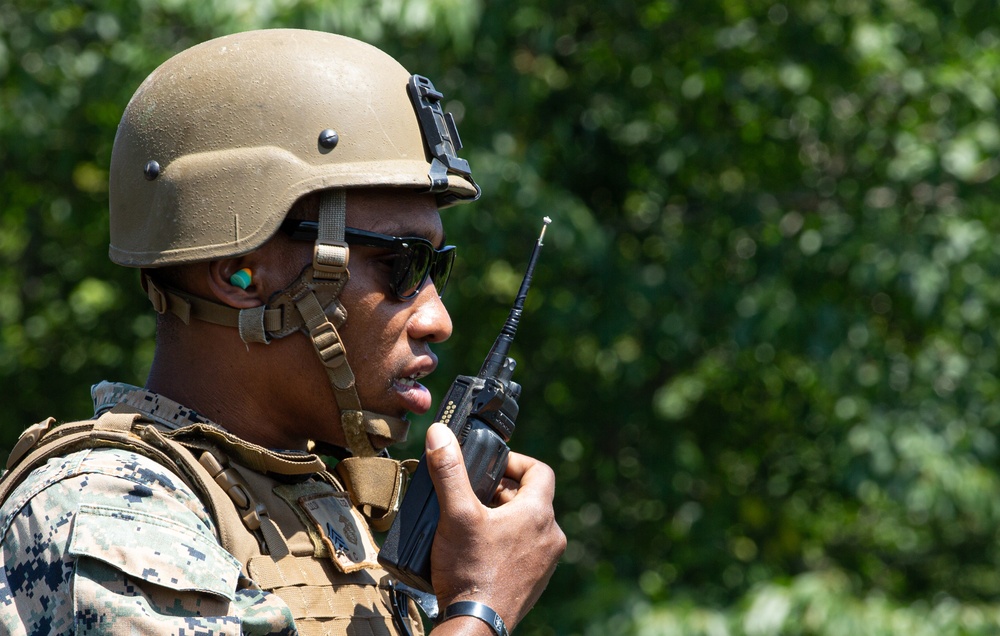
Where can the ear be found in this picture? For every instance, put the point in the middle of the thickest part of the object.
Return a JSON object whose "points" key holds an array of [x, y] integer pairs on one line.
{"points": [[225, 288]]}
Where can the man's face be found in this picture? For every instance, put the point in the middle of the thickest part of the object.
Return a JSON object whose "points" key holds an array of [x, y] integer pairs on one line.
{"points": [[387, 340]]}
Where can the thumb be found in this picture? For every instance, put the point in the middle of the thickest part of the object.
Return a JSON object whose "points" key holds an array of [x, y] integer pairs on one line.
{"points": [[447, 470]]}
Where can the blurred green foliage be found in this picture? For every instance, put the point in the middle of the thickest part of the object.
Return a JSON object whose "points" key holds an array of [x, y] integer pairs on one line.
{"points": [[758, 351]]}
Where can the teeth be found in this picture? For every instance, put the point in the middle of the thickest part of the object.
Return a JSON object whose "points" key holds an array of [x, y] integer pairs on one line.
{"points": [[408, 382]]}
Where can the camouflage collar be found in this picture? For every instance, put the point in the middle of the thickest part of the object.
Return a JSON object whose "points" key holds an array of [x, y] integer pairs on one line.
{"points": [[158, 408]]}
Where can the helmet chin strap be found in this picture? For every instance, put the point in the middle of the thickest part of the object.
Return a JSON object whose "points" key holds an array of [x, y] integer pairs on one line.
{"points": [[375, 483], [329, 266], [311, 304]]}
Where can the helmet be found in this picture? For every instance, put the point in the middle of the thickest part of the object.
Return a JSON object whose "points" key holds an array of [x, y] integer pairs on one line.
{"points": [[220, 140]]}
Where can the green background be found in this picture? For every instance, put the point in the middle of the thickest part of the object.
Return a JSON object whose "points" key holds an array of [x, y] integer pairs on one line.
{"points": [[758, 352]]}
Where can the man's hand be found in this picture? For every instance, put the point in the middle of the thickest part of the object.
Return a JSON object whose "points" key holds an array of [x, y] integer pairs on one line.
{"points": [[501, 556]]}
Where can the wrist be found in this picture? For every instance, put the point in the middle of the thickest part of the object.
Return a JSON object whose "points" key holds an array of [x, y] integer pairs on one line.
{"points": [[469, 611]]}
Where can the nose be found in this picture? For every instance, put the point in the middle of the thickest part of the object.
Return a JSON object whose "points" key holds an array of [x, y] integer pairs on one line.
{"points": [[430, 320]]}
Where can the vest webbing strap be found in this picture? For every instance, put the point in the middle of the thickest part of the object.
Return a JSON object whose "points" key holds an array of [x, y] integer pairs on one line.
{"points": [[355, 601], [351, 625], [230, 528], [45, 441], [254, 457], [119, 420], [276, 542], [292, 570], [352, 606]]}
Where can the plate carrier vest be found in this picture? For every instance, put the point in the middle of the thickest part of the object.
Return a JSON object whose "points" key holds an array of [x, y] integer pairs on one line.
{"points": [[271, 511]]}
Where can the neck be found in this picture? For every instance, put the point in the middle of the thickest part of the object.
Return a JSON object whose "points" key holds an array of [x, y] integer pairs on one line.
{"points": [[209, 369]]}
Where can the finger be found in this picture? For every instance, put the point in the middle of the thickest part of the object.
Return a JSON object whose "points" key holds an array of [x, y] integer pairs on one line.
{"points": [[531, 475], [517, 464], [506, 491], [447, 472]]}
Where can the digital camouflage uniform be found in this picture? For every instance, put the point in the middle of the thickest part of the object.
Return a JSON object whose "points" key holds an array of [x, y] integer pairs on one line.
{"points": [[107, 540]]}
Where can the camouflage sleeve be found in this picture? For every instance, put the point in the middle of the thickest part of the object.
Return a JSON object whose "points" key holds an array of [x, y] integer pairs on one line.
{"points": [[107, 541]]}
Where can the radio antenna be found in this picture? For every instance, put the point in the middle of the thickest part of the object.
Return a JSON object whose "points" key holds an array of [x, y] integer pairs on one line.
{"points": [[497, 358]]}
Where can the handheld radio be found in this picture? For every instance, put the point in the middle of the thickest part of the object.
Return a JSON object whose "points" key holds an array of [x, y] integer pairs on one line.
{"points": [[481, 411]]}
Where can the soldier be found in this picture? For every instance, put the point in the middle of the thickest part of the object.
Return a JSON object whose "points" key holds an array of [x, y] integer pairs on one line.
{"points": [[279, 191]]}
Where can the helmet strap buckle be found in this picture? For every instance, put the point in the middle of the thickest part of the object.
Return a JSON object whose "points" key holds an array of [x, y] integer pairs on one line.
{"points": [[328, 345], [330, 259]]}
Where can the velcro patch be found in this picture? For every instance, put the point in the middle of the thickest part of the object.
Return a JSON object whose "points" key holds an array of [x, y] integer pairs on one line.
{"points": [[343, 530]]}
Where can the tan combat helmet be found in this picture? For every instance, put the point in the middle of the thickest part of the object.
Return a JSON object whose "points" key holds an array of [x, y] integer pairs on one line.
{"points": [[219, 142]]}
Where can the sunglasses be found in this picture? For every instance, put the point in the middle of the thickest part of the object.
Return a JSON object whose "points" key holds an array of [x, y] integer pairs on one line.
{"points": [[417, 260]]}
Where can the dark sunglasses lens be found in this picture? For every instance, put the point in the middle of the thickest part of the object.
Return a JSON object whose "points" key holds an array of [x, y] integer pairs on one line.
{"points": [[442, 269], [411, 269]]}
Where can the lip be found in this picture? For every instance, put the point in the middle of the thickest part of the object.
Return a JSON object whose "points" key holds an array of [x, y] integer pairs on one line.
{"points": [[415, 397]]}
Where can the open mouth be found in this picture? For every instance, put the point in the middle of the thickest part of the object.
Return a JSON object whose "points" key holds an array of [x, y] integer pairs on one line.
{"points": [[416, 397]]}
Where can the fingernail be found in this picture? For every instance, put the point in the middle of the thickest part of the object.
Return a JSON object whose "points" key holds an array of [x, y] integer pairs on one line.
{"points": [[438, 436]]}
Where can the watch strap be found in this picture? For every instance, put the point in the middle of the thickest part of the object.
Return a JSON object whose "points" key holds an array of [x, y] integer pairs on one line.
{"points": [[481, 611]]}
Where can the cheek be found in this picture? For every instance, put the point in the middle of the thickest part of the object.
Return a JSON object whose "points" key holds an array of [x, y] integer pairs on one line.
{"points": [[365, 304], [370, 350], [375, 324], [367, 332]]}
